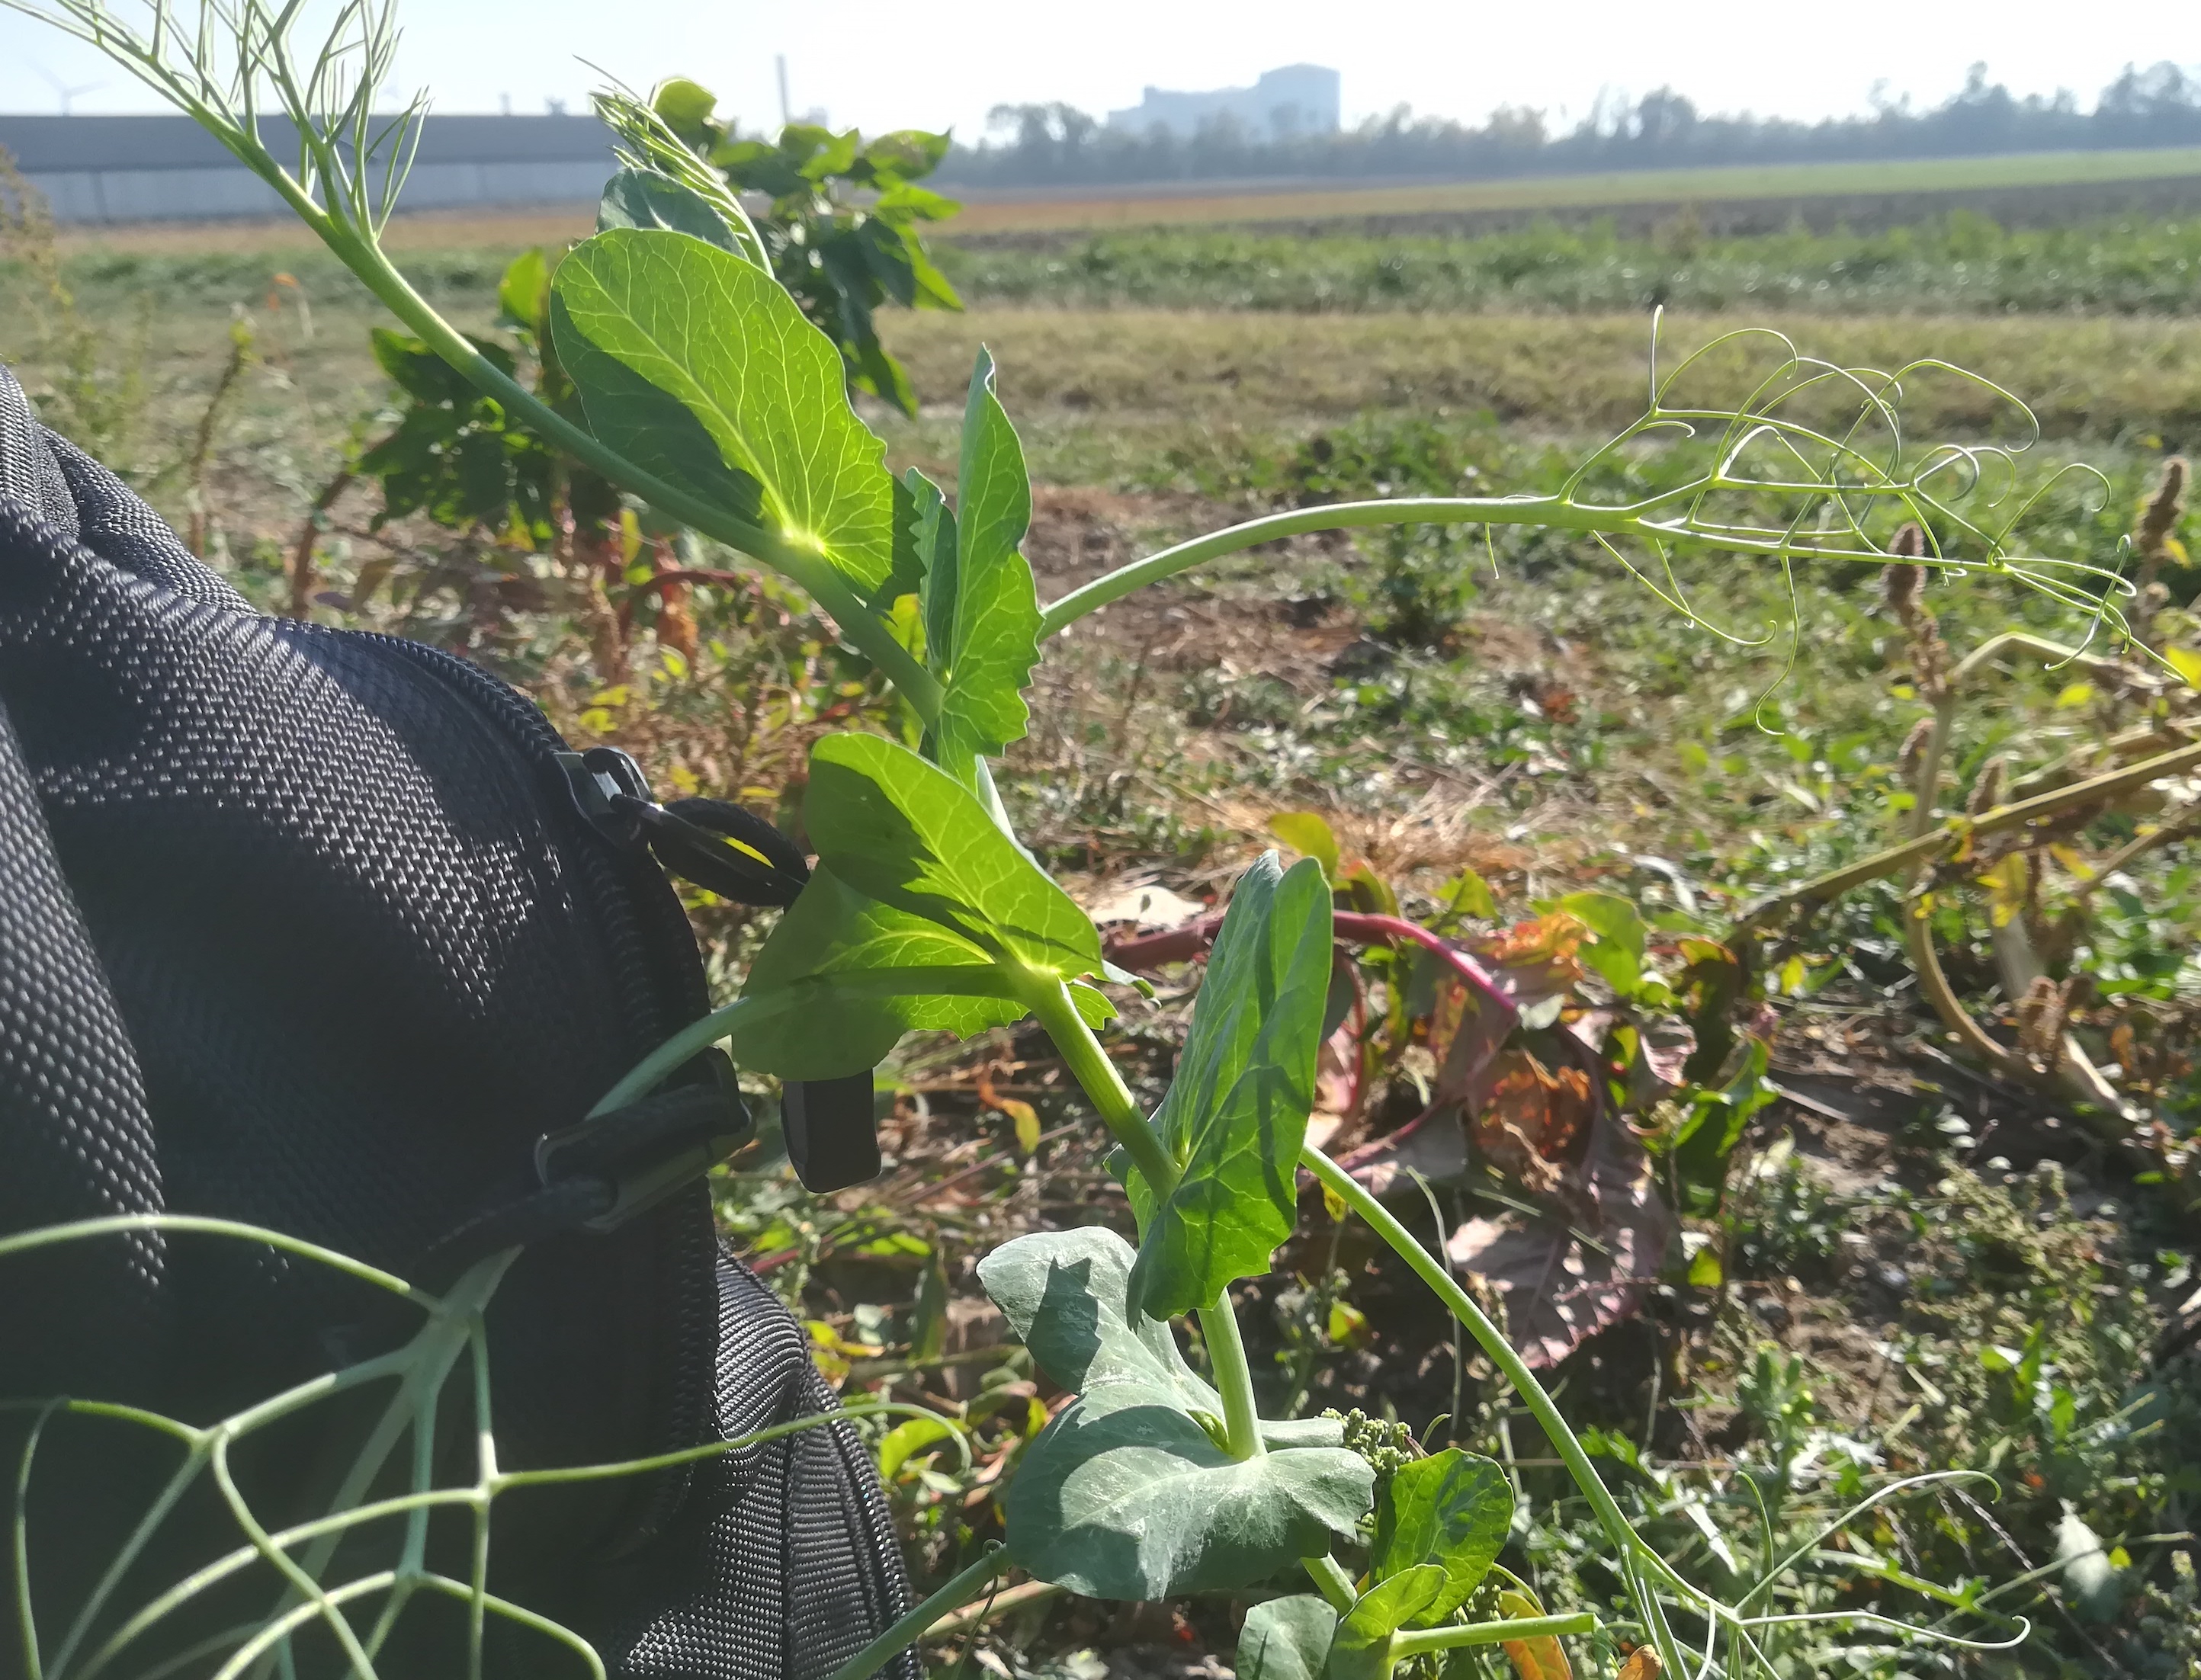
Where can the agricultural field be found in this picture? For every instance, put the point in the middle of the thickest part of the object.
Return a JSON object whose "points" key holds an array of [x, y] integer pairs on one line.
{"points": [[2051, 184], [1872, 1223]]}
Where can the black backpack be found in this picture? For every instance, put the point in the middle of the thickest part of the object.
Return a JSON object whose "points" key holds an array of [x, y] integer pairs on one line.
{"points": [[325, 931]]}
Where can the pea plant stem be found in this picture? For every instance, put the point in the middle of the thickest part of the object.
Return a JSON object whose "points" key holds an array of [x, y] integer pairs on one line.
{"points": [[1631, 1553], [1330, 1576], [1412, 1641], [1234, 1379], [1554, 512], [1104, 1087], [812, 572], [960, 1589]]}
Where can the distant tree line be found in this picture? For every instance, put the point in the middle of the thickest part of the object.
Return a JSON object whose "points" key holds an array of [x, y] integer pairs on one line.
{"points": [[1057, 145]]}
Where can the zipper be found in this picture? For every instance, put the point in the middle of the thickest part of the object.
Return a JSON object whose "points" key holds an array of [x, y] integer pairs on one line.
{"points": [[648, 936]]}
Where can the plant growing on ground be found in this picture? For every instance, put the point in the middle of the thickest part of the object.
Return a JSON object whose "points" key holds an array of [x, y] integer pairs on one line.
{"points": [[703, 392]]}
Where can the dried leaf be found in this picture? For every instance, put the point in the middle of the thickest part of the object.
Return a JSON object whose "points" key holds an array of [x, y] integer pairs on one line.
{"points": [[1533, 1119], [1538, 1658], [1534, 960], [1562, 1283], [1642, 1664], [1022, 1115]]}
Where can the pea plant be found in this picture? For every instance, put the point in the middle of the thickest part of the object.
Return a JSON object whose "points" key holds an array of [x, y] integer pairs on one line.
{"points": [[703, 393]]}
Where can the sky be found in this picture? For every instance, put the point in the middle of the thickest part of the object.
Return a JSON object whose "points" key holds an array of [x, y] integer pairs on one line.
{"points": [[866, 62]]}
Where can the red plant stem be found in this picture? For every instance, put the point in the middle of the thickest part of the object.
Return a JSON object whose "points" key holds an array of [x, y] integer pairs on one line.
{"points": [[1181, 944]]}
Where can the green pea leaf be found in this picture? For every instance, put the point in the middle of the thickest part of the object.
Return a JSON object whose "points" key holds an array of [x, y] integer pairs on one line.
{"points": [[1236, 1114], [980, 606], [1451, 1510], [1064, 1291], [843, 976], [1135, 1501], [644, 198], [1286, 1639], [724, 342], [1362, 1643], [1125, 1495], [686, 105], [924, 540], [935, 542], [909, 834]]}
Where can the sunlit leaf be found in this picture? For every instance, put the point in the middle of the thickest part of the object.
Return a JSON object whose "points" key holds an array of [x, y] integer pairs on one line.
{"points": [[981, 608], [1616, 952], [523, 293], [907, 834], [1361, 1649], [727, 344], [1310, 836], [1451, 1510], [905, 1440], [843, 976]]}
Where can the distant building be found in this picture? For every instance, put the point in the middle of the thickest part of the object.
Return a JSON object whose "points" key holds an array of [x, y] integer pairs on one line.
{"points": [[168, 168], [1281, 105]]}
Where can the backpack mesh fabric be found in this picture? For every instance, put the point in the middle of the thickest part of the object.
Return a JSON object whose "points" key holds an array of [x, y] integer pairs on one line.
{"points": [[302, 927]]}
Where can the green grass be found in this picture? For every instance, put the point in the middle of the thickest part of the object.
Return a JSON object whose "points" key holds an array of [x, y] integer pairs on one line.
{"points": [[1963, 263], [2095, 376]]}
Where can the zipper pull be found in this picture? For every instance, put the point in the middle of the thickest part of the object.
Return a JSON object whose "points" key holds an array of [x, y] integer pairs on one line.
{"points": [[712, 843]]}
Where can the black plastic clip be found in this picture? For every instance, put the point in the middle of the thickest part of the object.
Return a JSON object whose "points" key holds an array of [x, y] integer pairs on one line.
{"points": [[829, 1131], [732, 852], [649, 1150]]}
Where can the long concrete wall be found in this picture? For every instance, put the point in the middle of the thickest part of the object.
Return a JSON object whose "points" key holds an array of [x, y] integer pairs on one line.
{"points": [[161, 169]]}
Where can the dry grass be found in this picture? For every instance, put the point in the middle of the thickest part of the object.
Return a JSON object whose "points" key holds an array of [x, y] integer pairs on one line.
{"points": [[2093, 377]]}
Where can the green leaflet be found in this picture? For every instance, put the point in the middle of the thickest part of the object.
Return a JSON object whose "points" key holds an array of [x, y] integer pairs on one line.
{"points": [[1236, 1112], [1362, 1647], [1286, 1639], [1064, 1291], [1125, 1495], [844, 977], [822, 1027], [724, 342], [646, 199], [981, 605], [935, 543], [909, 834], [1452, 1510]]}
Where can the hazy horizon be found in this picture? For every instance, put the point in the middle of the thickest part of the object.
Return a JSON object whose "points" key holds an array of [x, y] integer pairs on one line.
{"points": [[473, 56]]}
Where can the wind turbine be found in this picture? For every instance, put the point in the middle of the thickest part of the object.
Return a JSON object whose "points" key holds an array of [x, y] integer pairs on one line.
{"points": [[67, 94]]}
